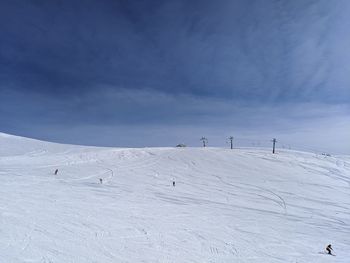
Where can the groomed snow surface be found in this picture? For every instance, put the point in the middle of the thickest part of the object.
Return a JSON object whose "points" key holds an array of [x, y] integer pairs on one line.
{"points": [[240, 205]]}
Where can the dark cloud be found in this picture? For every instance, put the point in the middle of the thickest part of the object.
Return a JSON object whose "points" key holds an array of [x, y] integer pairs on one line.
{"points": [[167, 63], [243, 49]]}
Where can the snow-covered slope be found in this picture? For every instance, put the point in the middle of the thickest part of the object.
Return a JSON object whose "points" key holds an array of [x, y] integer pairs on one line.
{"points": [[241, 205]]}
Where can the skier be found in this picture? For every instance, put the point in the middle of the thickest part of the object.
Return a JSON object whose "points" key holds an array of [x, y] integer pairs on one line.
{"points": [[329, 249], [100, 180], [56, 171], [174, 183]]}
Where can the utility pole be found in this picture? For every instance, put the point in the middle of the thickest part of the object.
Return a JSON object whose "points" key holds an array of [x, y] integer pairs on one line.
{"points": [[274, 144], [231, 140], [205, 141]]}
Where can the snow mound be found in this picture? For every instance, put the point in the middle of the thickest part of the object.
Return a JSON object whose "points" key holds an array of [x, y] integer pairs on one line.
{"points": [[240, 205]]}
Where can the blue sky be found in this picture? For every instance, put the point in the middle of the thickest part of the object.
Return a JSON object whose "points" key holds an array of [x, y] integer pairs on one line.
{"points": [[157, 73]]}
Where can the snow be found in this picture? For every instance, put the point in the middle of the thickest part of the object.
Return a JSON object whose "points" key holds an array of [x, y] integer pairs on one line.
{"points": [[240, 205]]}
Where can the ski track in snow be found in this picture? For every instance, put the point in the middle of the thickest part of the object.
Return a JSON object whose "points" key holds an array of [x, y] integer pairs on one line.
{"points": [[241, 205]]}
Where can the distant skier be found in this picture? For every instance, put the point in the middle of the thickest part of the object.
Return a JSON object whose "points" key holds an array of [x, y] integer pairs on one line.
{"points": [[329, 249], [101, 180], [174, 183], [56, 171]]}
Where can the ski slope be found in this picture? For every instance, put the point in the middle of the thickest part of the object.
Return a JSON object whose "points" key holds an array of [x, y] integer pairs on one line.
{"points": [[240, 205]]}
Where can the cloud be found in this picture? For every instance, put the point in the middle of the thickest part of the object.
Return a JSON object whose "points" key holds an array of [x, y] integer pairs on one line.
{"points": [[262, 51], [143, 73], [152, 118]]}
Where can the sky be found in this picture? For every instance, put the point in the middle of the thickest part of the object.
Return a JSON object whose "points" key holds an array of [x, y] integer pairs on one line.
{"points": [[162, 72]]}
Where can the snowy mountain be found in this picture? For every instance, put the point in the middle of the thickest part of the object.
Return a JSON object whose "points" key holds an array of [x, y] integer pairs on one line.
{"points": [[240, 205]]}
